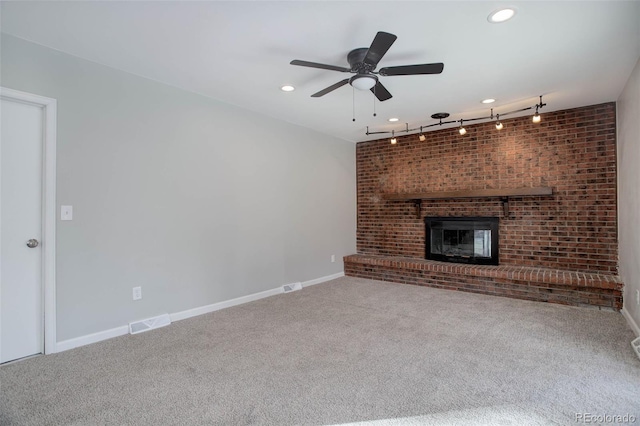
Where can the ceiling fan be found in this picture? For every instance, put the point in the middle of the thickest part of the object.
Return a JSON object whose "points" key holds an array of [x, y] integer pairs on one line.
{"points": [[363, 62]]}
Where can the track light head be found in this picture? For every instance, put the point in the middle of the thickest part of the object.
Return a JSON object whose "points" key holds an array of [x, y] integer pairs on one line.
{"points": [[422, 137], [499, 125], [536, 116], [462, 130]]}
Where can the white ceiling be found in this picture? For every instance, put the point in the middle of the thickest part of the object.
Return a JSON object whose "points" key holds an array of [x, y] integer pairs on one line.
{"points": [[575, 53]]}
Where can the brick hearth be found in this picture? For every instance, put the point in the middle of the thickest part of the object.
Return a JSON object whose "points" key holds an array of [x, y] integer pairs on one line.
{"points": [[522, 282], [567, 241]]}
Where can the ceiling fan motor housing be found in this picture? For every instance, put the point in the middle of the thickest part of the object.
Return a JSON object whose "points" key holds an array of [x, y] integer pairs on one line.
{"points": [[356, 60]]}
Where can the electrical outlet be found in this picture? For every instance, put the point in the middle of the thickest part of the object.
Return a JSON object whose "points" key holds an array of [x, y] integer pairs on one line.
{"points": [[333, 258], [137, 293]]}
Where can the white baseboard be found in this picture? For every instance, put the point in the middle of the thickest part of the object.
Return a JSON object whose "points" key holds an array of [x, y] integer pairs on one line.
{"points": [[222, 305], [65, 345], [76, 342], [632, 323], [322, 279], [245, 299]]}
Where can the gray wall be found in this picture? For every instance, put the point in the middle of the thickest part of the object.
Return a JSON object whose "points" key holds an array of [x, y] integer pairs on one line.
{"points": [[628, 115], [194, 200]]}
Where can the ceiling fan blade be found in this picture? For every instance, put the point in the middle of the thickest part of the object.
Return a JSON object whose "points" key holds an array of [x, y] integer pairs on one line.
{"points": [[330, 88], [413, 69], [317, 65], [379, 46], [381, 92]]}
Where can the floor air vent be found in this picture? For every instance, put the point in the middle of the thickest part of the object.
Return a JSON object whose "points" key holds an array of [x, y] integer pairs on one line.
{"points": [[292, 287], [149, 324]]}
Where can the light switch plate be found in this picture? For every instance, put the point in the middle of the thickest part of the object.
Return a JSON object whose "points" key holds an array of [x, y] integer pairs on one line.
{"points": [[137, 293], [66, 212]]}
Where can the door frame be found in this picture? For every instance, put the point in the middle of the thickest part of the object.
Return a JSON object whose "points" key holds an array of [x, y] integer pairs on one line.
{"points": [[49, 108]]}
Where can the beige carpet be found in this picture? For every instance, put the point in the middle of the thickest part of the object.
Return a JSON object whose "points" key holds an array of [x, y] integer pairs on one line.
{"points": [[346, 351]]}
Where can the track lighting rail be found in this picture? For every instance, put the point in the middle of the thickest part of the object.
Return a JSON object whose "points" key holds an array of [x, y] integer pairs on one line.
{"points": [[440, 116]]}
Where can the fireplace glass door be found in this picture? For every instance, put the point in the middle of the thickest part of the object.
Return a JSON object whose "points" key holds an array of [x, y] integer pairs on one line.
{"points": [[462, 239]]}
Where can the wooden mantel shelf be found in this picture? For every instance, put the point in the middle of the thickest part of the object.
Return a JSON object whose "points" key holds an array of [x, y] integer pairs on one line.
{"points": [[472, 193], [503, 194]]}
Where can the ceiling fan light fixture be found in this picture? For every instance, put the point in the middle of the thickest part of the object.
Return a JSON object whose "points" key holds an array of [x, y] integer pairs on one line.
{"points": [[363, 81], [501, 15]]}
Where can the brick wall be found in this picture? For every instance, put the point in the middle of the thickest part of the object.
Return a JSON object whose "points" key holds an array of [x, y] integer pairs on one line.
{"points": [[572, 151]]}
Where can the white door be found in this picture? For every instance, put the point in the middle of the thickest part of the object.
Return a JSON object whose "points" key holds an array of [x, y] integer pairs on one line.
{"points": [[21, 290]]}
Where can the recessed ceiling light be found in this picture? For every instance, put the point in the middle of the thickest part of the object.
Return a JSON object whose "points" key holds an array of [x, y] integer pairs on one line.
{"points": [[287, 88], [501, 15], [488, 101], [393, 119]]}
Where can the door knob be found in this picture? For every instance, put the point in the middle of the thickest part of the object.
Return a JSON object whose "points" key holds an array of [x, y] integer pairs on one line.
{"points": [[32, 243]]}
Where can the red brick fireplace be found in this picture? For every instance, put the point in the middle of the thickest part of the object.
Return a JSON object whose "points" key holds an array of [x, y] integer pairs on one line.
{"points": [[560, 247]]}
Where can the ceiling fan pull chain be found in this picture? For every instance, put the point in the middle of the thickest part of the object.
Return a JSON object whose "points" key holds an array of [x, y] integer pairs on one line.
{"points": [[353, 91], [374, 100]]}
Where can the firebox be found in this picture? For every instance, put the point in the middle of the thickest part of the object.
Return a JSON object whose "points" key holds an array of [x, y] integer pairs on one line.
{"points": [[462, 239]]}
